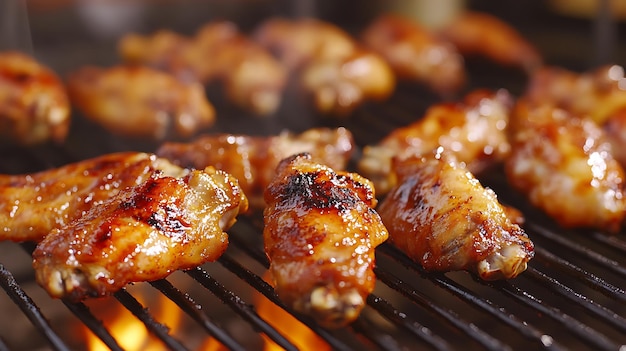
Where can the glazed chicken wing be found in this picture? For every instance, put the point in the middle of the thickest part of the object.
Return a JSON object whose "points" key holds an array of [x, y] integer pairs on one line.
{"points": [[143, 233], [139, 101], [320, 234], [473, 131], [565, 167], [443, 218], [31, 205], [253, 159], [34, 107], [476, 33], [415, 53]]}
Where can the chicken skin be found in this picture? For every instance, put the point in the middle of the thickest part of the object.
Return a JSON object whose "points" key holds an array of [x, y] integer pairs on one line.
{"points": [[416, 54], [138, 101], [444, 219], [253, 159], [218, 53], [34, 106], [481, 34], [564, 165], [472, 131], [143, 233], [321, 231], [31, 205]]}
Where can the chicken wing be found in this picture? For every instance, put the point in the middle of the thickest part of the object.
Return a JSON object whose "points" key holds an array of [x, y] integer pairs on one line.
{"points": [[473, 131], [477, 33], [320, 234], [143, 233], [31, 205], [253, 159], [34, 107], [252, 78], [598, 94], [443, 218], [415, 53], [140, 102], [564, 165]]}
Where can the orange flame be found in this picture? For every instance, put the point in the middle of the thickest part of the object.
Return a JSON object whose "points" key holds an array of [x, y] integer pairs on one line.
{"points": [[130, 333], [296, 332]]}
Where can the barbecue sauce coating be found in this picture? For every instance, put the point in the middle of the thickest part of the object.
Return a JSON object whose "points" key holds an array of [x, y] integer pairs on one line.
{"points": [[34, 106], [31, 205], [320, 235], [144, 233], [442, 217]]}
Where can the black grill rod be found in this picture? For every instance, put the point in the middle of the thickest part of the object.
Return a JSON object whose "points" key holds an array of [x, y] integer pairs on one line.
{"points": [[470, 329], [268, 291], [611, 241], [384, 308], [240, 307], [600, 311], [590, 254], [156, 328], [187, 304], [383, 340], [28, 307], [527, 330], [412, 327], [83, 313], [588, 278], [578, 329]]}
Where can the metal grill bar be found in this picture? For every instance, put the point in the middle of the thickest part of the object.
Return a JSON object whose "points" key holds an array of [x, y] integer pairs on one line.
{"points": [[240, 307], [186, 303], [83, 313], [28, 307]]}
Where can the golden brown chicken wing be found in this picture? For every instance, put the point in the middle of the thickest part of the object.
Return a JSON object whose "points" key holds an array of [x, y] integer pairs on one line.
{"points": [[477, 33], [140, 102], [34, 107], [320, 234], [31, 205], [473, 131], [144, 233], [253, 159], [443, 218], [564, 165], [252, 78], [415, 53]]}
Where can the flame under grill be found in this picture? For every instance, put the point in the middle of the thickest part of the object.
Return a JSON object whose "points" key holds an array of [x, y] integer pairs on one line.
{"points": [[572, 295]]}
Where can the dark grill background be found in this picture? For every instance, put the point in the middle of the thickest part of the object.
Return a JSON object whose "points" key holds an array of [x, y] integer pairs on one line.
{"points": [[573, 291]]}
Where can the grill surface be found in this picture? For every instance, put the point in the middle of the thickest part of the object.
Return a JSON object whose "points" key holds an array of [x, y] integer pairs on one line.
{"points": [[571, 297]]}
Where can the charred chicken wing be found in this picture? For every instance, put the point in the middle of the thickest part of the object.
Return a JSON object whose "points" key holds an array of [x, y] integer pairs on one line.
{"points": [[320, 234], [31, 205], [477, 33], [443, 218], [34, 107], [415, 53], [143, 233], [473, 131], [564, 165], [253, 159], [139, 101]]}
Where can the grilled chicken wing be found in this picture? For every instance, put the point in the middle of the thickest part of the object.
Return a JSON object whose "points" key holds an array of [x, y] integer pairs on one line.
{"points": [[333, 68], [31, 205], [476, 33], [415, 53], [473, 131], [139, 101], [598, 94], [253, 159], [320, 234], [253, 79], [143, 233], [443, 218], [565, 167], [34, 107]]}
